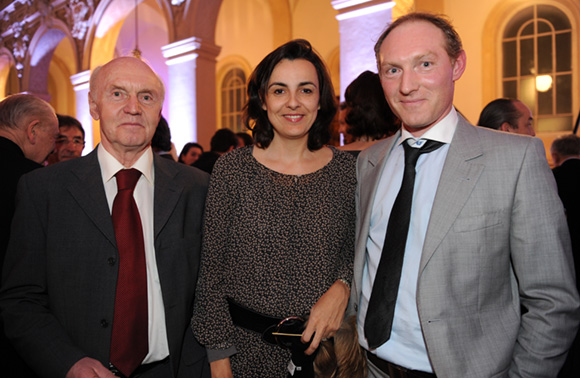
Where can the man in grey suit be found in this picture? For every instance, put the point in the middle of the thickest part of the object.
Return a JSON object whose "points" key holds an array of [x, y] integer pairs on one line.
{"points": [[486, 282], [63, 263]]}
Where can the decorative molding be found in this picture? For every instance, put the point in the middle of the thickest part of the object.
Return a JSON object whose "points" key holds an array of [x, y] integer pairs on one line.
{"points": [[78, 15]]}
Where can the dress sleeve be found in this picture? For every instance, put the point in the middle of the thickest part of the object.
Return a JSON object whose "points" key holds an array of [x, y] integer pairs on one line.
{"points": [[346, 255], [211, 322]]}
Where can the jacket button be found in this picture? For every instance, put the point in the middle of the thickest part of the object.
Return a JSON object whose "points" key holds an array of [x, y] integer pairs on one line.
{"points": [[112, 261], [356, 307], [104, 323]]}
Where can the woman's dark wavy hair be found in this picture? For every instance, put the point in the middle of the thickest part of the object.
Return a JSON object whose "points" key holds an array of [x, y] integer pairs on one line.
{"points": [[368, 114], [256, 118]]}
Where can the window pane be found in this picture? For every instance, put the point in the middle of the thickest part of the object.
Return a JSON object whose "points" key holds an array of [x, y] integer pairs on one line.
{"points": [[510, 88], [231, 105], [510, 61], [554, 124], [545, 102], [544, 27], [528, 29], [527, 92], [563, 52], [526, 56], [238, 123], [564, 94], [513, 26], [545, 54], [554, 16]]}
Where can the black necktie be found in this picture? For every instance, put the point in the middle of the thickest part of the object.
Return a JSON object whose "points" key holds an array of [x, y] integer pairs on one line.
{"points": [[379, 317]]}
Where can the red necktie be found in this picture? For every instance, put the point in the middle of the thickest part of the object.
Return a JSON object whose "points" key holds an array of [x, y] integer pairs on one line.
{"points": [[129, 343]]}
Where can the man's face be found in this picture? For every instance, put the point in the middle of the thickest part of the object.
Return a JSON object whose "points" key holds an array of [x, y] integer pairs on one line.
{"points": [[417, 74], [127, 101], [525, 125], [69, 144]]}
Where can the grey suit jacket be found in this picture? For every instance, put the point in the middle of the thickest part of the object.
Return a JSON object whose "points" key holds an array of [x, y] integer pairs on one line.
{"points": [[60, 274], [495, 292]]}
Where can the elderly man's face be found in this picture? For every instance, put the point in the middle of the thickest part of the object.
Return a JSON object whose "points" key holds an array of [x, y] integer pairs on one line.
{"points": [[525, 125], [127, 101], [417, 74], [45, 134]]}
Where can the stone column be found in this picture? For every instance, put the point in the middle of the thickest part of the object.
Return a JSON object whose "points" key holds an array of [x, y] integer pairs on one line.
{"points": [[192, 90], [360, 23], [80, 82]]}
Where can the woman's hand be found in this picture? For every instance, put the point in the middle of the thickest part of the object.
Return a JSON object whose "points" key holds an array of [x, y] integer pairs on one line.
{"points": [[221, 369], [326, 315]]}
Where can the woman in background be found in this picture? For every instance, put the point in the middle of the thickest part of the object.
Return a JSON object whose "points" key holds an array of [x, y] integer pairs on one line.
{"points": [[368, 115], [279, 222], [190, 153]]}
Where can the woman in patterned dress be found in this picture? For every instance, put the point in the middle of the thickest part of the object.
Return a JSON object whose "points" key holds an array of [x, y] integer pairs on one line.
{"points": [[279, 221]]}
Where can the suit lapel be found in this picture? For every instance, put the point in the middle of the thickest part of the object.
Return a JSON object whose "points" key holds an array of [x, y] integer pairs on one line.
{"points": [[86, 187], [370, 174], [370, 167], [460, 174], [167, 193]]}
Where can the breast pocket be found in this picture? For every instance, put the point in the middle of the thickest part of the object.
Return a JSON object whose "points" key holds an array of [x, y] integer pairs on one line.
{"points": [[479, 221]]}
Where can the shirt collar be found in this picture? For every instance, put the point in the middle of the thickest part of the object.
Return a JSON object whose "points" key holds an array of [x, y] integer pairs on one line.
{"points": [[110, 166], [441, 132]]}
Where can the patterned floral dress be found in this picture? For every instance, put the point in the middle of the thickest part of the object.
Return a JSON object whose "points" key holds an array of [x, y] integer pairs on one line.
{"points": [[273, 243]]}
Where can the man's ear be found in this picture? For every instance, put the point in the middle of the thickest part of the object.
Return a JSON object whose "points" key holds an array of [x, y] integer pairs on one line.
{"points": [[459, 65], [32, 130], [93, 108], [505, 127]]}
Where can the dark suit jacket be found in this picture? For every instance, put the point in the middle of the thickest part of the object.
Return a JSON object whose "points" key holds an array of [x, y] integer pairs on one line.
{"points": [[568, 180], [13, 164], [206, 161], [58, 291]]}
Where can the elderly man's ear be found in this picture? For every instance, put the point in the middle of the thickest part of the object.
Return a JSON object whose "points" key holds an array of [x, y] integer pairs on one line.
{"points": [[505, 127], [93, 108], [32, 130]]}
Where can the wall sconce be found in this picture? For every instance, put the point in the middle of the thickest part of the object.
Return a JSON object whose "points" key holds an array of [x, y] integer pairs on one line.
{"points": [[543, 83]]}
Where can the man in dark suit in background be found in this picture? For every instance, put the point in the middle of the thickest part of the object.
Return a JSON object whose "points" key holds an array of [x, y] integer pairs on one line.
{"points": [[223, 141], [28, 129], [565, 152], [64, 267]]}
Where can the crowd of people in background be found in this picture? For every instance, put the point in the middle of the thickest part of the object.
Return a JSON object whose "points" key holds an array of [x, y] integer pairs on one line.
{"points": [[384, 236]]}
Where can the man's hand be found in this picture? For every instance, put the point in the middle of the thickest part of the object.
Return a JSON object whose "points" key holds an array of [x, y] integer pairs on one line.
{"points": [[89, 368], [326, 315]]}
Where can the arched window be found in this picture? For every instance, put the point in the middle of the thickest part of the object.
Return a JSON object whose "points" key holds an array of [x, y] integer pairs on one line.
{"points": [[537, 65], [233, 92]]}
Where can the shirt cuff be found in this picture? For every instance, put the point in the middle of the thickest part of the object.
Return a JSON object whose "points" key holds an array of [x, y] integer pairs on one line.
{"points": [[220, 354]]}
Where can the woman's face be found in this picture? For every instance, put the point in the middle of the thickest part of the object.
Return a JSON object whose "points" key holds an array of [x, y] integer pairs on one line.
{"points": [[192, 155], [292, 98]]}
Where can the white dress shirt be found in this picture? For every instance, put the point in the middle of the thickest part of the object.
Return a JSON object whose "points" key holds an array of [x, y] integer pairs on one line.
{"points": [[406, 346], [143, 194]]}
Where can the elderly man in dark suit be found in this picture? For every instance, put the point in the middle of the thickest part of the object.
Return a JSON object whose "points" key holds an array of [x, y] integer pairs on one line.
{"points": [[476, 280], [28, 129], [91, 288]]}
